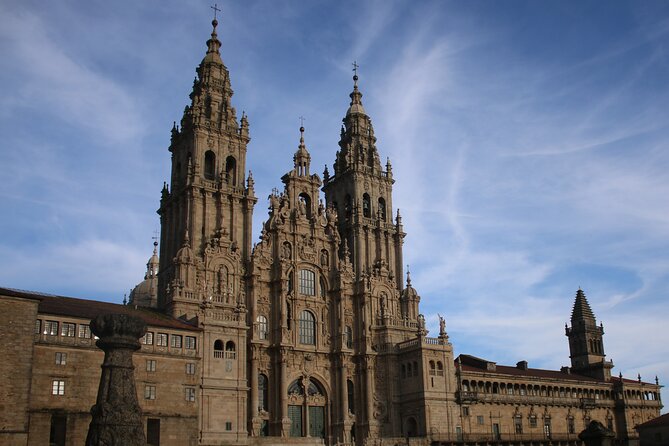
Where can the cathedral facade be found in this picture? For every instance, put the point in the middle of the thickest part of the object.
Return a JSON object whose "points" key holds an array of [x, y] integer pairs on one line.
{"points": [[313, 335]]}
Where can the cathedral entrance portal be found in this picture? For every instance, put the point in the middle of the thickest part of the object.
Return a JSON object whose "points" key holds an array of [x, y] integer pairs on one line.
{"points": [[306, 408]]}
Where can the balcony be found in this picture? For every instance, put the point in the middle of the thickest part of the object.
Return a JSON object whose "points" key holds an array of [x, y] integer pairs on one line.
{"points": [[467, 397]]}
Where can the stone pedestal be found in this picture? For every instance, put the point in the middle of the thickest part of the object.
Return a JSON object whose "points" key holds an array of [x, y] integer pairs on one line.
{"points": [[117, 418]]}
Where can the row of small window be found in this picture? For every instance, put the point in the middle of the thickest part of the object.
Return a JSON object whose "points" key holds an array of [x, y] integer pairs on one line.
{"points": [[306, 329], [518, 422], [151, 367], [150, 393], [61, 359], [67, 329], [175, 341], [58, 389], [411, 369], [366, 207]]}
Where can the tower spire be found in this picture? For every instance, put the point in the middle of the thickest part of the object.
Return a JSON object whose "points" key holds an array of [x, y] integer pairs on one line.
{"points": [[213, 44], [586, 346], [356, 96], [302, 158]]}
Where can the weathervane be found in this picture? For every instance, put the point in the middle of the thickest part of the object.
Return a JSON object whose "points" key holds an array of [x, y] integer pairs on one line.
{"points": [[355, 68], [302, 119]]}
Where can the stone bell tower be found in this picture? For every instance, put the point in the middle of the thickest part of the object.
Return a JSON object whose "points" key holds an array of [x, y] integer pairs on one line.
{"points": [[206, 224], [361, 191], [586, 347], [206, 215], [384, 313]]}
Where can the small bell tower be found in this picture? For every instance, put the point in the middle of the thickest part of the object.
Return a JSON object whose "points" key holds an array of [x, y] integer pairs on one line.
{"points": [[586, 346]]}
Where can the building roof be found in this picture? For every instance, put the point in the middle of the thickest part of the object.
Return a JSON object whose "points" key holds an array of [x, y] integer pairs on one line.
{"points": [[473, 364], [662, 420], [89, 309]]}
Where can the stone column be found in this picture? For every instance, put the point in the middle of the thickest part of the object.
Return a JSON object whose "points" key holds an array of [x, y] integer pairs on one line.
{"points": [[283, 387], [117, 417], [255, 419]]}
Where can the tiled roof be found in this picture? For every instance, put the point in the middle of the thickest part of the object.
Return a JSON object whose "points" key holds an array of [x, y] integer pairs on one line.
{"points": [[470, 366], [471, 363], [89, 309], [662, 420]]}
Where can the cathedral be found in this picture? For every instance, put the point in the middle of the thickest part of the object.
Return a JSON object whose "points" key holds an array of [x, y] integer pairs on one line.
{"points": [[311, 336]]}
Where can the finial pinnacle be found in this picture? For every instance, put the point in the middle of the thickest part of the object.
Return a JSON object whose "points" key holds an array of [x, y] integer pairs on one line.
{"points": [[355, 74]]}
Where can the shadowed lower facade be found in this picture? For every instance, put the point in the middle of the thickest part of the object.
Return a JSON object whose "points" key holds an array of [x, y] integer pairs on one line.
{"points": [[313, 335]]}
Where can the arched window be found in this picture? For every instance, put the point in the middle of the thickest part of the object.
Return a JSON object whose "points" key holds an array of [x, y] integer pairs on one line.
{"points": [[262, 327], [403, 371], [295, 388], [411, 427], [351, 396], [433, 369], [262, 392], [209, 165], [382, 209], [218, 348], [230, 352], [231, 170], [366, 206], [307, 328], [347, 207], [415, 368], [409, 373], [307, 282], [440, 369], [349, 337]]}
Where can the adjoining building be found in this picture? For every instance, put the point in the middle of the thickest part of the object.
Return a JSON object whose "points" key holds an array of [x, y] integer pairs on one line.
{"points": [[311, 336], [654, 432]]}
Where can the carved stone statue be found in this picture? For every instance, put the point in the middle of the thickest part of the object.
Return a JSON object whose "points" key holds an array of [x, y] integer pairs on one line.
{"points": [[442, 326], [117, 417]]}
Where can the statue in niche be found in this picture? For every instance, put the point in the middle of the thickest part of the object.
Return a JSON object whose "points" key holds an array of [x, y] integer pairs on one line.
{"points": [[222, 279], [324, 257], [301, 206], [286, 251], [383, 306]]}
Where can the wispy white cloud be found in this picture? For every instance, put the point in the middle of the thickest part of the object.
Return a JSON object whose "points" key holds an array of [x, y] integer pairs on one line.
{"points": [[50, 80]]}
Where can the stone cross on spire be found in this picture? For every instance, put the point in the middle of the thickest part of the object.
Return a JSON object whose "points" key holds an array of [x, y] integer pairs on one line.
{"points": [[216, 9]]}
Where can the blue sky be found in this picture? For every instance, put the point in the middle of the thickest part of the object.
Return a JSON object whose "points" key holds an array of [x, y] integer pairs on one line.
{"points": [[528, 142]]}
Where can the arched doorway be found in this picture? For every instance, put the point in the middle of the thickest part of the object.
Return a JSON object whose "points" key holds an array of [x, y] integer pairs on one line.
{"points": [[306, 408], [410, 427]]}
